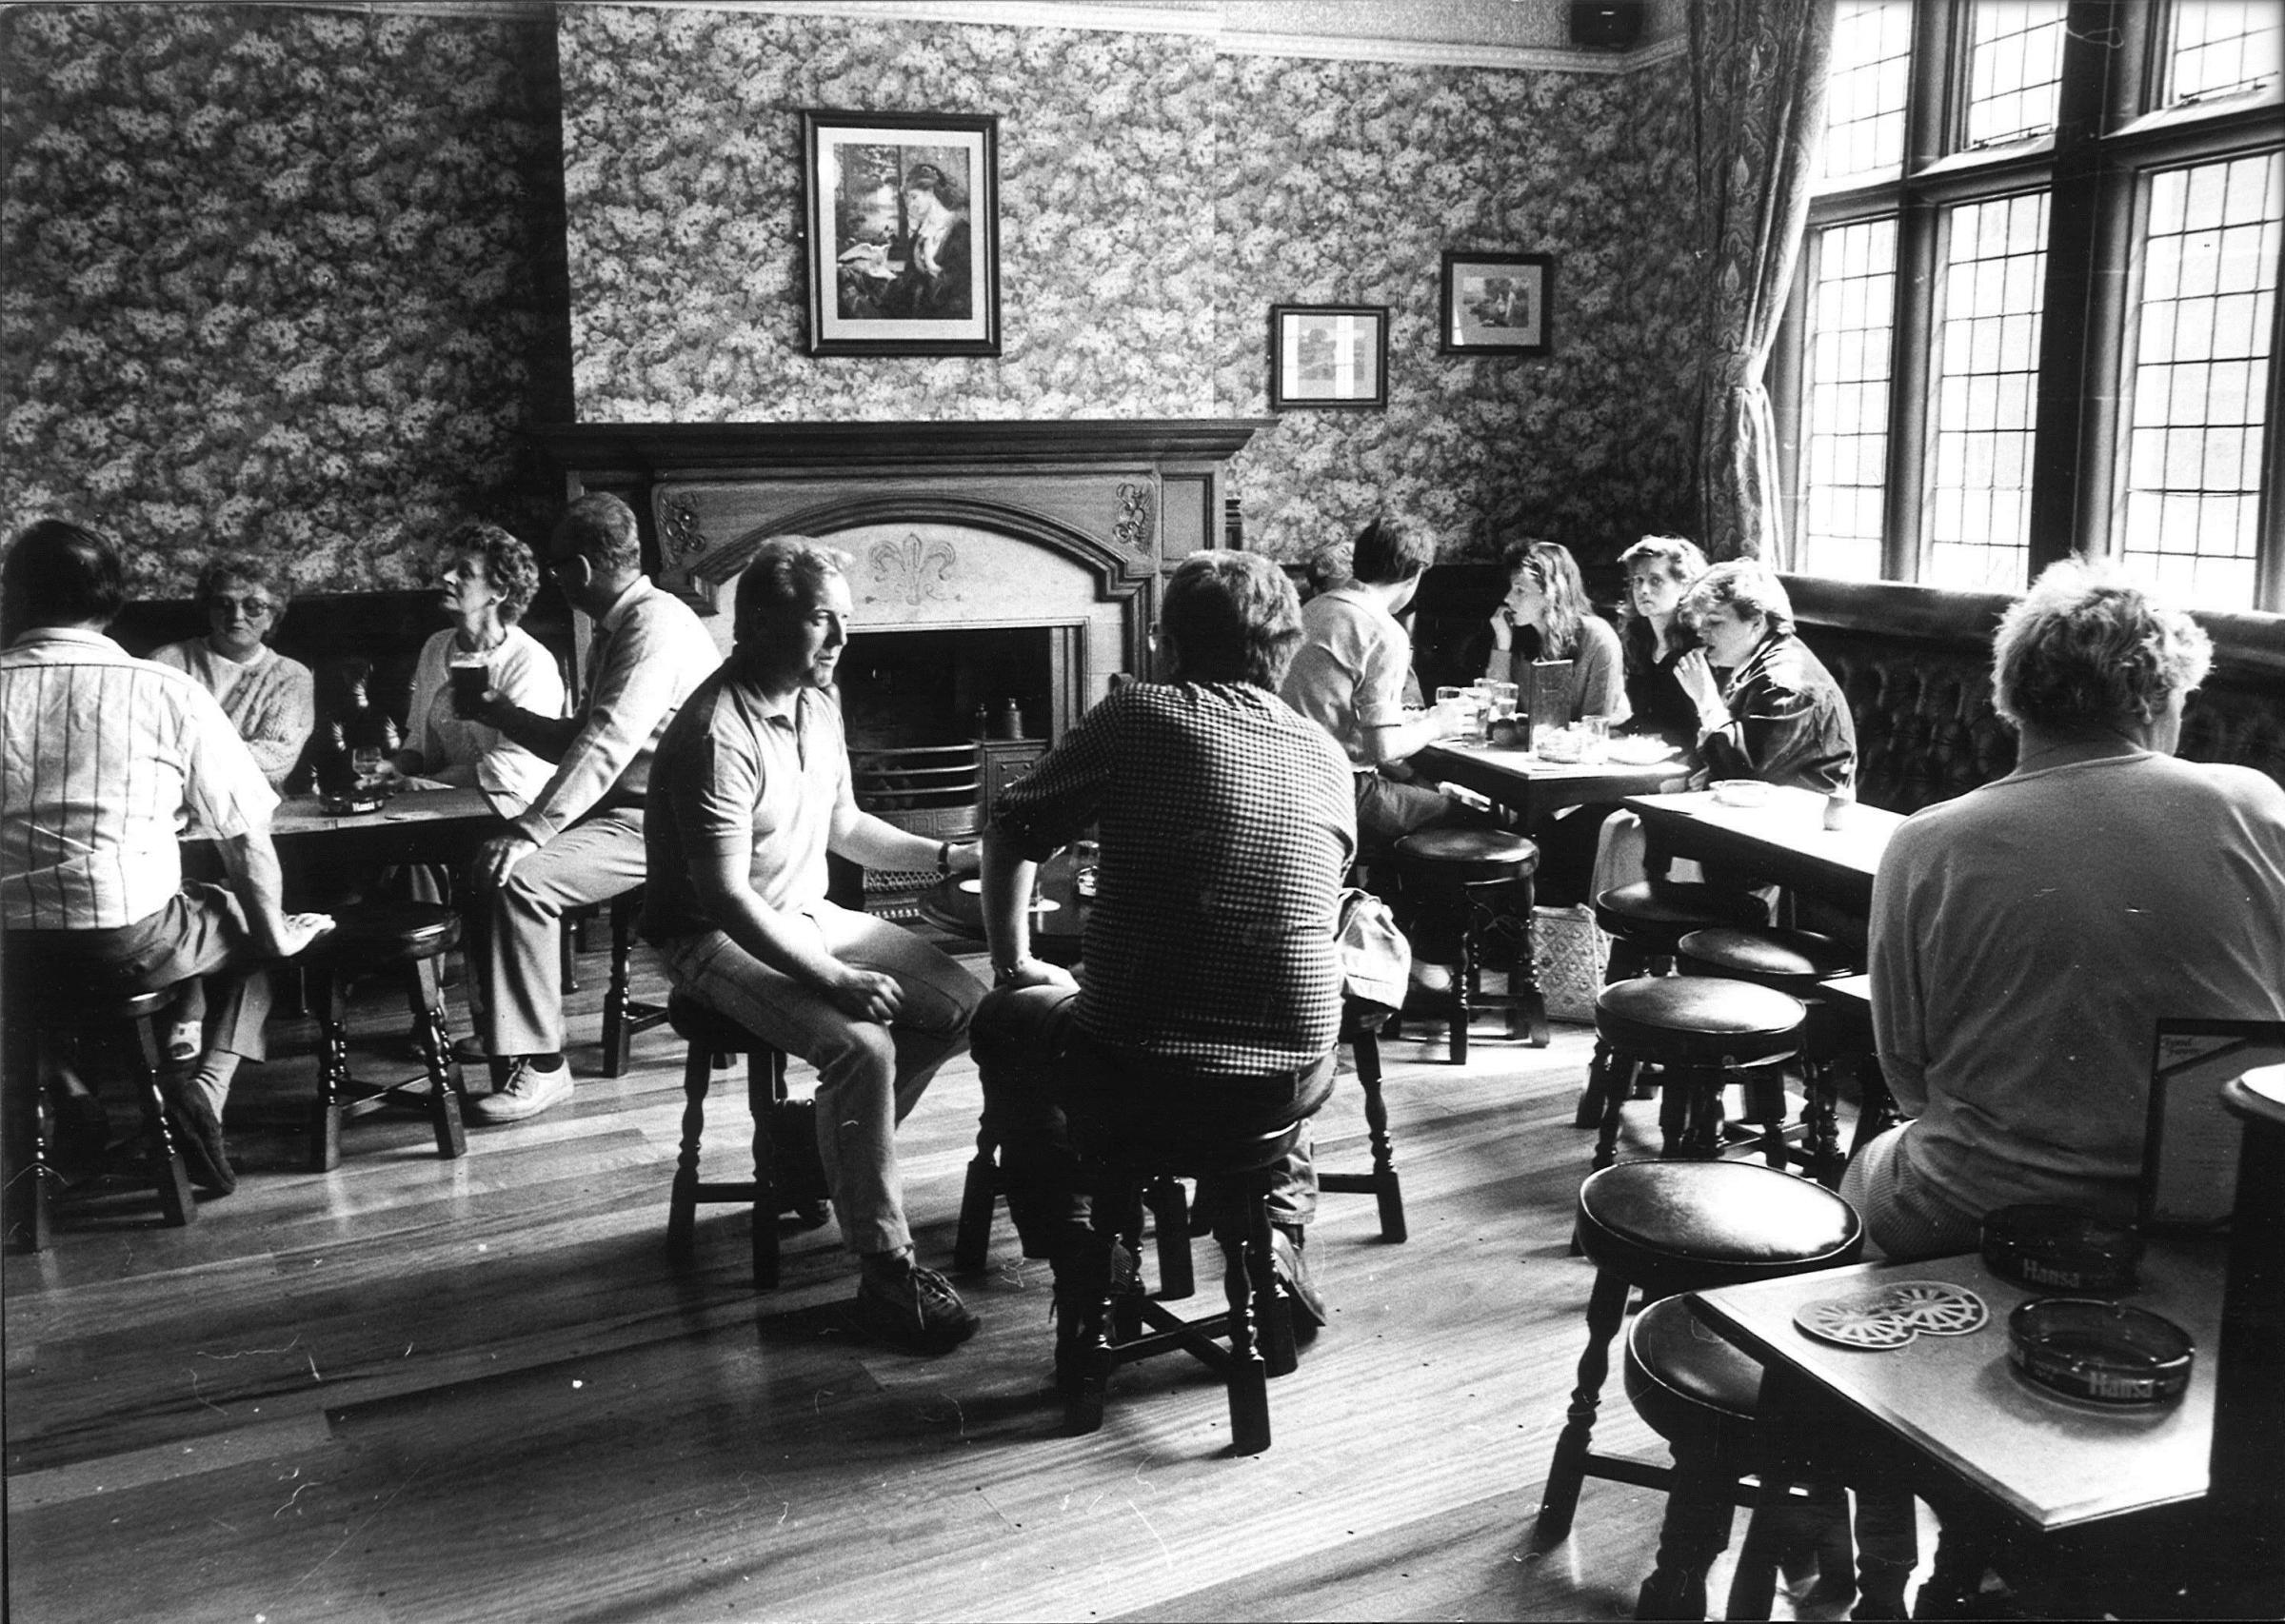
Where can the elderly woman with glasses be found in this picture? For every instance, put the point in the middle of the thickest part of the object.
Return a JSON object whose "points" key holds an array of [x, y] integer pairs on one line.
{"points": [[270, 699], [2028, 936], [1546, 616]]}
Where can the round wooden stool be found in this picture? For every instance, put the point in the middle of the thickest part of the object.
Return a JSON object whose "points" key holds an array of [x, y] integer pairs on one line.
{"points": [[1703, 1032], [1666, 1227], [42, 1010], [790, 1175], [372, 938], [1116, 1323], [1646, 920], [1797, 962], [1468, 883]]}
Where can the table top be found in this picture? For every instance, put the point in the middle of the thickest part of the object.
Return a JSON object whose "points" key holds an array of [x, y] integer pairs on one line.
{"points": [[957, 905], [1957, 1401], [1786, 837], [1522, 780], [306, 815]]}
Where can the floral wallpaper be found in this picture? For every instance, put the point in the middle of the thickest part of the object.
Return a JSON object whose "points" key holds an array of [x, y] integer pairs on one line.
{"points": [[270, 280], [682, 184], [1345, 182]]}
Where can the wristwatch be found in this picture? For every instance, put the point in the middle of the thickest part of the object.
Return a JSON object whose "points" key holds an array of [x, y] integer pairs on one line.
{"points": [[944, 859], [1004, 974]]}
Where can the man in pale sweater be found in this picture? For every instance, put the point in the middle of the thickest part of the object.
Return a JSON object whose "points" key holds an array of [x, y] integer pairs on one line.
{"points": [[580, 839]]}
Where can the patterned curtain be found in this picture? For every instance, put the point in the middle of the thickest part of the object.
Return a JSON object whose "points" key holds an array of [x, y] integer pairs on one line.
{"points": [[1757, 77]]}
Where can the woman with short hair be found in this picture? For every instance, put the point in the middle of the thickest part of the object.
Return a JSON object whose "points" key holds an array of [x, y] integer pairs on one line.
{"points": [[1779, 715], [489, 580], [270, 699], [2028, 936], [1546, 616], [1652, 638]]}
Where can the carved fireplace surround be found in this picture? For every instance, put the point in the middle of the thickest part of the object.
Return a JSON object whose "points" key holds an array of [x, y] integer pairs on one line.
{"points": [[1065, 525]]}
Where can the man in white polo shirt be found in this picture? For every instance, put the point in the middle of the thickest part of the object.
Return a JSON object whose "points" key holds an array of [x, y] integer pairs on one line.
{"points": [[749, 791], [106, 759]]}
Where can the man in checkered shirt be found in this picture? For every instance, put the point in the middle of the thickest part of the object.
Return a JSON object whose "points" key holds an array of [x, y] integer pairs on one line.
{"points": [[1226, 822]]}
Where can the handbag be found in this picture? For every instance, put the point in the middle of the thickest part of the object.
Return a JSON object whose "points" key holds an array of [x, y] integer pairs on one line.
{"points": [[1376, 961]]}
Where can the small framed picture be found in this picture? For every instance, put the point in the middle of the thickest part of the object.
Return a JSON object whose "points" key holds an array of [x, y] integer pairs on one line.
{"points": [[1328, 355], [901, 216], [1497, 303]]}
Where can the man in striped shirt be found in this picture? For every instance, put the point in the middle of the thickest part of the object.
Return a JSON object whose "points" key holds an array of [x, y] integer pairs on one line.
{"points": [[105, 759]]}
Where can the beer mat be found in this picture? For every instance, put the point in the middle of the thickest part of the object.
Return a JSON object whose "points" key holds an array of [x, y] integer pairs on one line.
{"points": [[1890, 1315]]}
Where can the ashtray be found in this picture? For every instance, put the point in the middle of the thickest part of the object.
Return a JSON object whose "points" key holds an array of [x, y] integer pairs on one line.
{"points": [[2102, 1352], [2057, 1248], [349, 804], [1742, 792]]}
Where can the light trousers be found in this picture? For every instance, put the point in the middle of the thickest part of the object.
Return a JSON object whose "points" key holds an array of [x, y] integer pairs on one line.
{"points": [[869, 1075], [518, 951]]}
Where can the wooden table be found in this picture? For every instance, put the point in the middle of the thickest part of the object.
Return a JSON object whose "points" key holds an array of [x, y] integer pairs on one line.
{"points": [[1520, 780], [1951, 1419], [1782, 841], [1056, 933], [430, 826]]}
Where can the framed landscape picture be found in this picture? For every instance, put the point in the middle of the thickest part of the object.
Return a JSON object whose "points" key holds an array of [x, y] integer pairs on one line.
{"points": [[1328, 355], [1497, 303], [902, 217]]}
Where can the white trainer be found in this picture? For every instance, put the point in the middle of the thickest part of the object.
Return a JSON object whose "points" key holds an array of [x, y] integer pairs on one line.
{"points": [[527, 1092]]}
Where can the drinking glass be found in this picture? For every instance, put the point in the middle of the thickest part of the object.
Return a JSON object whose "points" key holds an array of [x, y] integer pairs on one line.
{"points": [[365, 762], [1594, 739], [1471, 704]]}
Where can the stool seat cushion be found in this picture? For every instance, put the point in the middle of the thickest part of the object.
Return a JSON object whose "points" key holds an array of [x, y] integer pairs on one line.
{"points": [[1470, 855], [709, 1028], [1700, 1019], [1672, 1226], [1691, 1384], [1672, 908], [1790, 961], [371, 934]]}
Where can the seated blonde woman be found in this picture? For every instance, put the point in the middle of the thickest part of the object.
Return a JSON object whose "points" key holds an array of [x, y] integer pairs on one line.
{"points": [[1546, 616], [489, 580], [270, 699]]}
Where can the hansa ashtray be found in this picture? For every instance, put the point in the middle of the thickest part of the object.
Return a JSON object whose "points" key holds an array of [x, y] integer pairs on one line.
{"points": [[2101, 1352], [351, 802], [2059, 1249]]}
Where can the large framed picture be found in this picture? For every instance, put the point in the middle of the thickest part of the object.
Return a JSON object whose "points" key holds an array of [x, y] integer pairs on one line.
{"points": [[1497, 303], [903, 222], [1328, 355]]}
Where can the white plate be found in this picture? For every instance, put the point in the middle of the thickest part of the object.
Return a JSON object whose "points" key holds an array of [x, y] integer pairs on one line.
{"points": [[1635, 751]]}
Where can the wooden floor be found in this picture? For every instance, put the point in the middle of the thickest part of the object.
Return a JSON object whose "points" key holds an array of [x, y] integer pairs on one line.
{"points": [[418, 1390]]}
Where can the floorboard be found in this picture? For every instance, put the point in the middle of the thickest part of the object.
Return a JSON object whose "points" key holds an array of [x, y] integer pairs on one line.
{"points": [[418, 1390]]}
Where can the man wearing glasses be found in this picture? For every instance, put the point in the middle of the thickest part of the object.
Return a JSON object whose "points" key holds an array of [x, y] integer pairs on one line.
{"points": [[580, 839]]}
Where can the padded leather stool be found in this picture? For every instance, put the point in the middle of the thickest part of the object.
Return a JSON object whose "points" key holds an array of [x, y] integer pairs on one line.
{"points": [[1666, 1227], [1795, 962], [1705, 1033], [1480, 880], [1120, 1325], [1645, 921], [787, 1178], [624, 1017], [42, 1011], [406, 939]]}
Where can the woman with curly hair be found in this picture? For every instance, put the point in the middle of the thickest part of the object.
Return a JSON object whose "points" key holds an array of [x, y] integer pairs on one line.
{"points": [[1658, 570], [2028, 936], [1546, 616], [489, 580], [270, 699]]}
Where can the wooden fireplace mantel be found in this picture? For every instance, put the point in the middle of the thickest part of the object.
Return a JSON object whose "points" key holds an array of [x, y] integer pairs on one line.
{"points": [[602, 450]]}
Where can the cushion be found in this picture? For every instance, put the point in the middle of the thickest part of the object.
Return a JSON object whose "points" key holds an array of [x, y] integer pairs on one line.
{"points": [[1786, 960], [1687, 1379], [1466, 855], [1698, 1019], [1671, 1226]]}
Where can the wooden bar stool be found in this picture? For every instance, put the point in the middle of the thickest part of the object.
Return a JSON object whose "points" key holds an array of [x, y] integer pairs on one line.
{"points": [[1664, 1228], [1797, 962], [1119, 1325], [44, 1010], [1360, 1027], [1473, 882], [369, 939], [787, 1178], [1646, 921], [1703, 1032], [624, 1017]]}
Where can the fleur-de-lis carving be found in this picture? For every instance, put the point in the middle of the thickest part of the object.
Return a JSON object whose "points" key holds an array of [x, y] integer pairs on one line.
{"points": [[913, 570]]}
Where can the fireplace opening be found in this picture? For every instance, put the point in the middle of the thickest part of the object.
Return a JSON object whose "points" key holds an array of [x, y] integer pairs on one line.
{"points": [[914, 688]]}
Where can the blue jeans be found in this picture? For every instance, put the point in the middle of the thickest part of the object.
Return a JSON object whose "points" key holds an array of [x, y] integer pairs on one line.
{"points": [[868, 1075]]}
